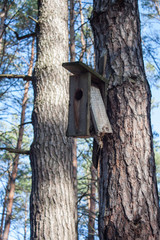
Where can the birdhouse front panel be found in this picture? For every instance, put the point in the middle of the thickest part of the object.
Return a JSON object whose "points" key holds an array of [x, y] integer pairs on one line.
{"points": [[79, 106]]}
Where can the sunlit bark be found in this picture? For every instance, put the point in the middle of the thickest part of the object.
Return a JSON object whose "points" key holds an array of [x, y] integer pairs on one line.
{"points": [[128, 189], [53, 202]]}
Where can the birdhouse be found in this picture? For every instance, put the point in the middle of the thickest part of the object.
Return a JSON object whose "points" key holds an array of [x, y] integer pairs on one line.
{"points": [[87, 94]]}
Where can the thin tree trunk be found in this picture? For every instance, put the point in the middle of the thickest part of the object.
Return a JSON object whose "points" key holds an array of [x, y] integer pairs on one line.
{"points": [[53, 202], [92, 204], [5, 200], [72, 59], [157, 6], [83, 42], [16, 159], [129, 206], [25, 219], [3, 15], [72, 32], [74, 153], [3, 212]]}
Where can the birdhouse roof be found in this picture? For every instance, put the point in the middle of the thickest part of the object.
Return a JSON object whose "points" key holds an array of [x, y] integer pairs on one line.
{"points": [[78, 67]]}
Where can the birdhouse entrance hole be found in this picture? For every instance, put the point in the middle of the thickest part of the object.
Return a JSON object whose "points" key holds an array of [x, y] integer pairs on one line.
{"points": [[78, 94]]}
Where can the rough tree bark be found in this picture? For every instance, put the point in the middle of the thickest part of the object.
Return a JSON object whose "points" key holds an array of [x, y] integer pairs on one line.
{"points": [[128, 189], [53, 202]]}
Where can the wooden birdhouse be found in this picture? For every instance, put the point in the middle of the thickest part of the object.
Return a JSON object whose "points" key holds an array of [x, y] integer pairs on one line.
{"points": [[87, 93]]}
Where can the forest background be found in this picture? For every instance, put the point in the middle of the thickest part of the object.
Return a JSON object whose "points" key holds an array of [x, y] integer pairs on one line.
{"points": [[18, 21]]}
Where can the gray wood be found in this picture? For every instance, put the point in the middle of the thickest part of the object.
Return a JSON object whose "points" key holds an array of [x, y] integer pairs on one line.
{"points": [[79, 109], [79, 121], [99, 115], [79, 67]]}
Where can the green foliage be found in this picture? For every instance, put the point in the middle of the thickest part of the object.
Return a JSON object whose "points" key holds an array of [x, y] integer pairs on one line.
{"points": [[150, 7], [85, 148], [23, 181], [15, 59], [150, 19], [88, 57], [157, 158], [17, 22]]}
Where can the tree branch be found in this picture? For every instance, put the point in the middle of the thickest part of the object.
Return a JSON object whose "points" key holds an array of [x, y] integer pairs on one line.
{"points": [[13, 150], [25, 123], [33, 19], [25, 77], [22, 37]]}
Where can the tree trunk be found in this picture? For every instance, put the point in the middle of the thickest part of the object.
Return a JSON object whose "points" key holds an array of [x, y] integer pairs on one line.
{"points": [[25, 219], [128, 188], [53, 204], [3, 15], [83, 42], [157, 6], [72, 59], [72, 32], [4, 208], [16, 159], [92, 204], [5, 200]]}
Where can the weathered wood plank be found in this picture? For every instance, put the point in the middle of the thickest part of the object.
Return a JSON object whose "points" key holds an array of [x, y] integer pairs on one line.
{"points": [[98, 113], [79, 106], [79, 67]]}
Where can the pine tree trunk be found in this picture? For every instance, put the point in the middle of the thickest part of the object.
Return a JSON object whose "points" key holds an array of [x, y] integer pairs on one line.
{"points": [[25, 219], [129, 207], [4, 208], [16, 159], [53, 204], [5, 201], [3, 15], [92, 204], [83, 42], [3, 212], [72, 59], [157, 6], [72, 32]]}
